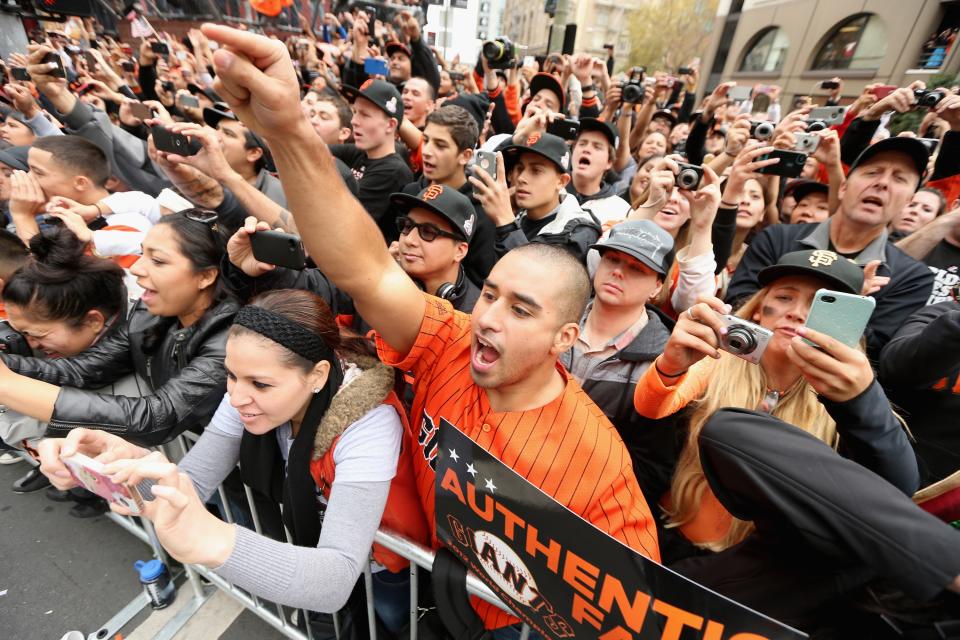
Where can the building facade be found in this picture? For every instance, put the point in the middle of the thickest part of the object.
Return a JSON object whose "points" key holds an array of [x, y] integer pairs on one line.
{"points": [[797, 44], [599, 22]]}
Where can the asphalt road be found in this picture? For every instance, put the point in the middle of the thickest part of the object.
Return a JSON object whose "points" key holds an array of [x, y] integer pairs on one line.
{"points": [[59, 573]]}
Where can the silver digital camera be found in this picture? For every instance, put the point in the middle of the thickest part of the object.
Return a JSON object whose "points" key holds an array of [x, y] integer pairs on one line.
{"points": [[745, 339]]}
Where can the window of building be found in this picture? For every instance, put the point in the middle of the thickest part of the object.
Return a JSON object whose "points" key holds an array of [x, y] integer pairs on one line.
{"points": [[484, 7], [859, 42], [937, 47], [767, 51]]}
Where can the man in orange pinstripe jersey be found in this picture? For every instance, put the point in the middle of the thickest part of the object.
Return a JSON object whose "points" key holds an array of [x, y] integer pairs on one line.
{"points": [[494, 374]]}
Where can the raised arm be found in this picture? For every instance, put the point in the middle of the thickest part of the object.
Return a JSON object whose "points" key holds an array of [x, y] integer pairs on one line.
{"points": [[256, 77]]}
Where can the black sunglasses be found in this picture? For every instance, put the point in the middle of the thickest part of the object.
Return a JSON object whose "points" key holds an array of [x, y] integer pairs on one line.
{"points": [[428, 232], [210, 219]]}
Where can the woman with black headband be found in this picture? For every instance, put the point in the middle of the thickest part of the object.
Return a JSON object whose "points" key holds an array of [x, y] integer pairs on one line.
{"points": [[173, 338], [313, 420]]}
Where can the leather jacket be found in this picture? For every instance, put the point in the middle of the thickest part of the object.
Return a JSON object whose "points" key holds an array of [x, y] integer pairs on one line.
{"points": [[185, 374]]}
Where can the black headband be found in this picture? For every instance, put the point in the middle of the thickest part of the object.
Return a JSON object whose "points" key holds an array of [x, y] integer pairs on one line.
{"points": [[291, 335]]}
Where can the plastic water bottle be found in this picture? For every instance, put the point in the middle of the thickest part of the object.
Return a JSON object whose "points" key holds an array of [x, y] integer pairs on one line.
{"points": [[156, 583]]}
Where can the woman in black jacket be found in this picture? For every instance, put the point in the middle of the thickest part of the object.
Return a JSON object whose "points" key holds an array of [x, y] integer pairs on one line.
{"points": [[174, 338]]}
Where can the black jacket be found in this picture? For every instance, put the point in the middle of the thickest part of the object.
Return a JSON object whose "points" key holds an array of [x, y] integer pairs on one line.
{"points": [[921, 369], [185, 372], [908, 289]]}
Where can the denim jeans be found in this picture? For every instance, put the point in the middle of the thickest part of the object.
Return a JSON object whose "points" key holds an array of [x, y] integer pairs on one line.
{"points": [[391, 598]]}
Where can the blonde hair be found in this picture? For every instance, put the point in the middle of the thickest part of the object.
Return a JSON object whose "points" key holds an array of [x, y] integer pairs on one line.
{"points": [[734, 382]]}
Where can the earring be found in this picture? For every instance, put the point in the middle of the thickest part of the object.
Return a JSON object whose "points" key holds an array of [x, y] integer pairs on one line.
{"points": [[316, 389]]}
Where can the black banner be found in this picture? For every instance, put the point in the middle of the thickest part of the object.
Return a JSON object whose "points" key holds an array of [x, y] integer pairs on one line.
{"points": [[562, 575]]}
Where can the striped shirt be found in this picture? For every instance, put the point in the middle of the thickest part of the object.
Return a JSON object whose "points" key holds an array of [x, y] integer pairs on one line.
{"points": [[567, 448]]}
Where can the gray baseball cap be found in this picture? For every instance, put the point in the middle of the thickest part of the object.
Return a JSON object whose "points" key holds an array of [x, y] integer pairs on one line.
{"points": [[642, 239]]}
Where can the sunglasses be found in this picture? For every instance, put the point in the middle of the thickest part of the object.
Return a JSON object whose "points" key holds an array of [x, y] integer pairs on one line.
{"points": [[209, 220], [428, 232]]}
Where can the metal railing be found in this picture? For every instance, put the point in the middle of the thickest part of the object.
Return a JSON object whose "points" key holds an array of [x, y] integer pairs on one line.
{"points": [[277, 616]]}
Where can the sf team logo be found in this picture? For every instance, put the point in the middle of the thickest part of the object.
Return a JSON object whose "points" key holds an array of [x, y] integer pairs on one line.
{"points": [[823, 258], [533, 138], [433, 192], [367, 83], [429, 438]]}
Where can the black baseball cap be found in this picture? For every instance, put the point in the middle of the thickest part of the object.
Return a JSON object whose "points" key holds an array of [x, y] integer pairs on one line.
{"points": [[665, 113], [911, 147], [446, 202], [551, 147], [16, 157], [593, 124], [645, 240], [212, 116], [395, 46], [551, 82], [841, 274], [800, 189], [381, 93]]}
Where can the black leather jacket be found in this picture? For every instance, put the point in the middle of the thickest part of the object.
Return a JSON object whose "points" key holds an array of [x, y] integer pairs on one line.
{"points": [[185, 372]]}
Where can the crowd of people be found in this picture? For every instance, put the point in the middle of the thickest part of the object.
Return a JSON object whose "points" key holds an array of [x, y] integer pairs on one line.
{"points": [[312, 262]]}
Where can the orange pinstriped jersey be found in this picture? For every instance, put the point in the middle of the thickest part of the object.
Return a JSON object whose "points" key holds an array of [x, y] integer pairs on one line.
{"points": [[567, 448]]}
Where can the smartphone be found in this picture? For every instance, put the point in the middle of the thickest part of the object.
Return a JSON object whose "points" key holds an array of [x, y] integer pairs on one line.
{"points": [[129, 67], [739, 94], [883, 91], [685, 71], [170, 142], [790, 165], [827, 115], [20, 73], [57, 72], [806, 142], [487, 160], [829, 84], [89, 473], [167, 85], [375, 67], [185, 100], [842, 316], [91, 60], [160, 48], [141, 111], [566, 129], [279, 248]]}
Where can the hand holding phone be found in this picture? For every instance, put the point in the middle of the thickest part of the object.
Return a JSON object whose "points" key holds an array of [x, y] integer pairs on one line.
{"points": [[567, 129], [278, 248], [170, 142], [57, 71], [89, 473], [140, 111], [842, 316], [188, 101]]}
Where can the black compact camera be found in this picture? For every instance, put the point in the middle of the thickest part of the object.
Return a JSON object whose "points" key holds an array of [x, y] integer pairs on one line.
{"points": [[631, 91], [12, 342], [689, 176], [760, 130], [500, 53], [929, 98]]}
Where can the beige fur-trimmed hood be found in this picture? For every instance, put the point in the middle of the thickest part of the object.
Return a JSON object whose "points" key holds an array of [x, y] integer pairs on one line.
{"points": [[353, 401]]}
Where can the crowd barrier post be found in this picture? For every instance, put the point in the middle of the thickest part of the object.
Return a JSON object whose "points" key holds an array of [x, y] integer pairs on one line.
{"points": [[273, 614]]}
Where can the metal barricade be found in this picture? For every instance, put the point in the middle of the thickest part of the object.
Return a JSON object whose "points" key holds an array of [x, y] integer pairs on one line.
{"points": [[275, 615]]}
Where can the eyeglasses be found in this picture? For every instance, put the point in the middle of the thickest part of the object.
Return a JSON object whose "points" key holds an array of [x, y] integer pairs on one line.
{"points": [[428, 232]]}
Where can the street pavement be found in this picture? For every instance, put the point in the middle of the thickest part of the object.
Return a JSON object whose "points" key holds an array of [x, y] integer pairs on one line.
{"points": [[59, 573]]}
